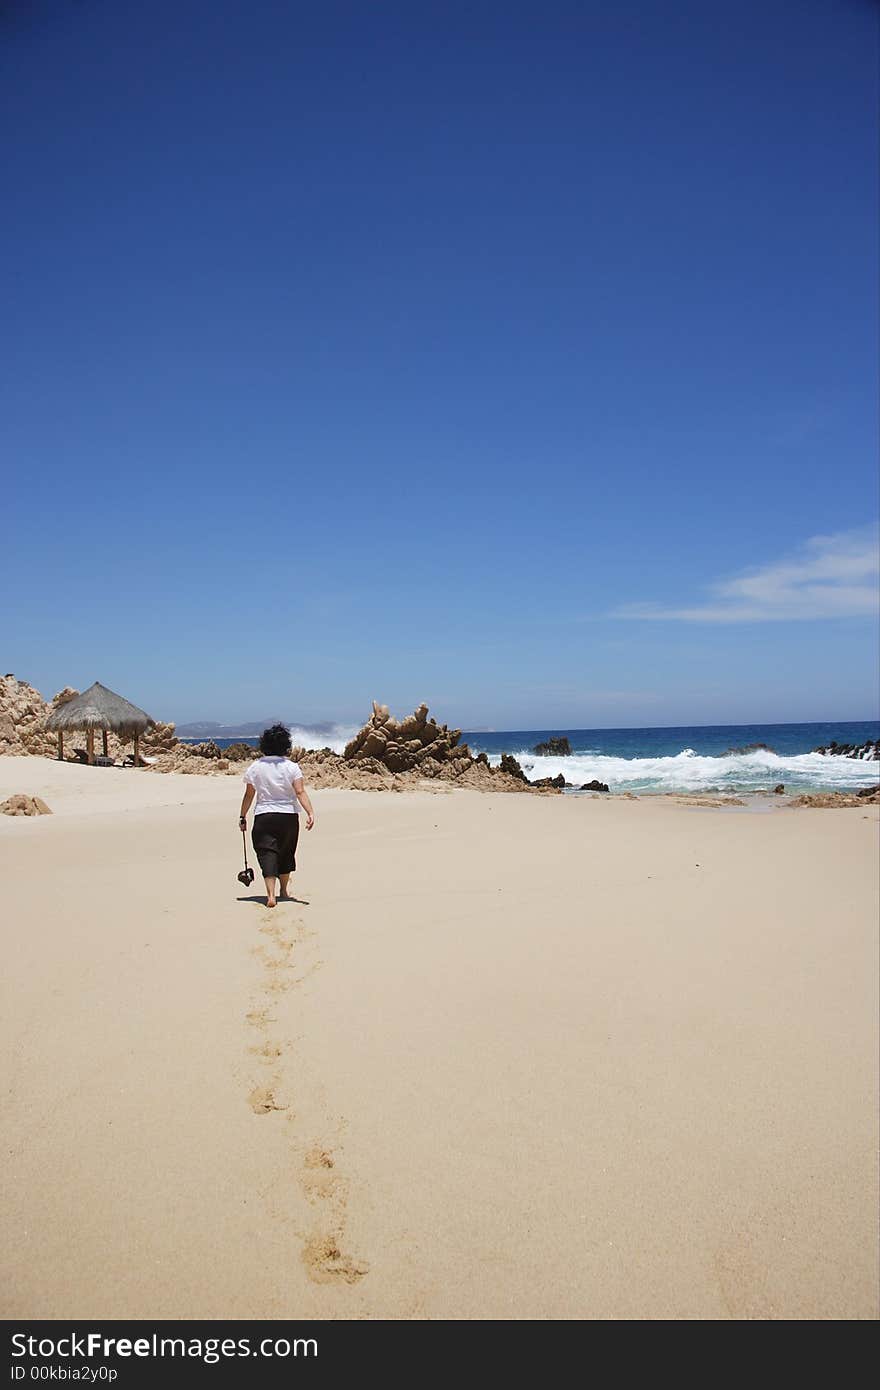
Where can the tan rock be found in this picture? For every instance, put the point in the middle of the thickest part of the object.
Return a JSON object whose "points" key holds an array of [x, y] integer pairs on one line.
{"points": [[23, 713], [436, 749], [413, 726], [22, 805], [160, 738], [822, 800], [417, 744], [374, 745]]}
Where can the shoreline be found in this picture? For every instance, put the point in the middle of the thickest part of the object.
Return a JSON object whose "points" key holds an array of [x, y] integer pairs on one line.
{"points": [[397, 754], [34, 770]]}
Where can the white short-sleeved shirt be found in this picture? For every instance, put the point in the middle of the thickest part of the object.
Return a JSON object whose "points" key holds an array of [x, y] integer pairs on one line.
{"points": [[273, 779]]}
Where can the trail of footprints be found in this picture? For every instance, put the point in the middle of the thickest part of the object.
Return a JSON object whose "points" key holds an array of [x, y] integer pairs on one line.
{"points": [[324, 1187]]}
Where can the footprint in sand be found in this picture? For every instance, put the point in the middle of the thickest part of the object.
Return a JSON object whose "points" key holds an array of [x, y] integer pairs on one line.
{"points": [[322, 1254], [319, 1182], [262, 1101], [322, 1186], [277, 984], [276, 963], [259, 1018], [326, 1264], [319, 1158]]}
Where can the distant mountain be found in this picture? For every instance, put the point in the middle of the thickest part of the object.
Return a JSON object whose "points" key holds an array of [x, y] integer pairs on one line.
{"points": [[207, 728]]}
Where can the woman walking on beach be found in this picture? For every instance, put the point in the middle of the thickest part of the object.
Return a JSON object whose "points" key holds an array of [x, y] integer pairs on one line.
{"points": [[277, 784]]}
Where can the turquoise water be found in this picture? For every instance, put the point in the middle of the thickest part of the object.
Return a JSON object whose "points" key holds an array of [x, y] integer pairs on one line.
{"points": [[691, 758]]}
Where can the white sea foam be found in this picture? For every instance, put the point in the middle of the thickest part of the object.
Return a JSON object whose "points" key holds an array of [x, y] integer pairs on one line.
{"points": [[690, 771], [334, 736]]}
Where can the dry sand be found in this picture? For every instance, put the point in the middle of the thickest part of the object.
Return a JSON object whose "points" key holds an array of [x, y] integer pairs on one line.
{"points": [[512, 1057]]}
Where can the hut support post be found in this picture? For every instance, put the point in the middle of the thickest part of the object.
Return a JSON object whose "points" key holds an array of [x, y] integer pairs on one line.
{"points": [[135, 750], [60, 746], [90, 744], [106, 754]]}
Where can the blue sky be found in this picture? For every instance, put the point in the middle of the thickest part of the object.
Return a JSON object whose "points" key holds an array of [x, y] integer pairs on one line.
{"points": [[521, 358]]}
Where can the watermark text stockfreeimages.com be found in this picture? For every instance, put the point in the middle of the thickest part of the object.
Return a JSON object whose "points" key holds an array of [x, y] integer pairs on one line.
{"points": [[210, 1350]]}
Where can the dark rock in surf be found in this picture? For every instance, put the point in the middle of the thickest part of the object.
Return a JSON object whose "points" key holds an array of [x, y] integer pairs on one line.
{"points": [[595, 786], [553, 748], [869, 751], [510, 765]]}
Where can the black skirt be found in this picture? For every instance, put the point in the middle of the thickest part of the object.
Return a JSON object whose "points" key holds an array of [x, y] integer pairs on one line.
{"points": [[274, 838]]}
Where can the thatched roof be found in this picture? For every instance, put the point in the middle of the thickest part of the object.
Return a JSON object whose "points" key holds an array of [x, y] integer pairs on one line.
{"points": [[100, 708]]}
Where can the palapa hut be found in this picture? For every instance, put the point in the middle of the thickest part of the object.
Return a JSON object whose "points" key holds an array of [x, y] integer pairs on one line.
{"points": [[99, 708]]}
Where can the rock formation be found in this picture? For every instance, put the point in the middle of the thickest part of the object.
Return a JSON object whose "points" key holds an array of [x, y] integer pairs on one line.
{"points": [[159, 738], [414, 742], [22, 805], [208, 749], [241, 752], [419, 746], [866, 796], [869, 751], [510, 765], [594, 786], [554, 748], [23, 712]]}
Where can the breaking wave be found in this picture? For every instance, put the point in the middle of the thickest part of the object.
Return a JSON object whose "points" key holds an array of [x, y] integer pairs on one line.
{"points": [[334, 736], [690, 771]]}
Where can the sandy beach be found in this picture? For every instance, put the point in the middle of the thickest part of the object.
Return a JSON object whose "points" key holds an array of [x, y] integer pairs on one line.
{"points": [[506, 1057]]}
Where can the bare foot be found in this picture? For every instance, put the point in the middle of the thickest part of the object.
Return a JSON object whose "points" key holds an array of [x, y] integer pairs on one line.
{"points": [[285, 897], [270, 902]]}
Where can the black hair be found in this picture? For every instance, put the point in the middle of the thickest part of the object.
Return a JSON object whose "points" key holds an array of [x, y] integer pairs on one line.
{"points": [[275, 742]]}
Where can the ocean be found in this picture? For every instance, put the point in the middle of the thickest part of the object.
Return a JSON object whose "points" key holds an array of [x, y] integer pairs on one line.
{"points": [[698, 758]]}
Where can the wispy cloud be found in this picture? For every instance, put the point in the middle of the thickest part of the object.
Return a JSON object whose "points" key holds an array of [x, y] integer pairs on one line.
{"points": [[831, 577]]}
